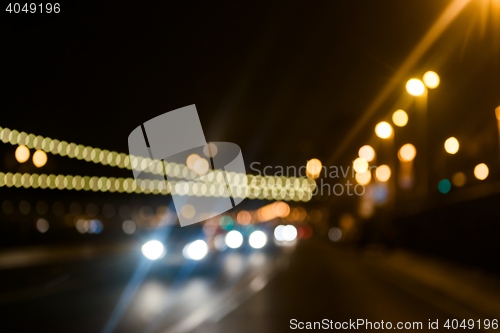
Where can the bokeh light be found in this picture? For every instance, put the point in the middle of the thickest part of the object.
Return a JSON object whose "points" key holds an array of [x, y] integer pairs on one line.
{"points": [[191, 159], [415, 87], [367, 152], [82, 226], [347, 221], [383, 130], [220, 243], [407, 153], [459, 179], [497, 112], [42, 225], [24, 207], [444, 186], [335, 234], [188, 211], [451, 145], [360, 165], [481, 171], [95, 226], [39, 158], [22, 154], [226, 222], [313, 168], [153, 250], [244, 217], [363, 178], [431, 79], [400, 118], [257, 239], [281, 209], [278, 233], [210, 150], [201, 166], [7, 207], [383, 173], [234, 239], [196, 250], [129, 227]]}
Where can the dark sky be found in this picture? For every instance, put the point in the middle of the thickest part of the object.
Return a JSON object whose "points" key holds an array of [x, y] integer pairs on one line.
{"points": [[284, 80]]}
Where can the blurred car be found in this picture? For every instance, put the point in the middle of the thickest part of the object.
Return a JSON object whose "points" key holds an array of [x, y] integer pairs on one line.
{"points": [[175, 245]]}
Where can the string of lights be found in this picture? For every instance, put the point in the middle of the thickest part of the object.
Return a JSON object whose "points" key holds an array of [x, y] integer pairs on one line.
{"points": [[125, 161], [254, 189]]}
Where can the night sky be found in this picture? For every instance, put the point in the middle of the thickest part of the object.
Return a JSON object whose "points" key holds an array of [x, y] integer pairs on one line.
{"points": [[285, 81]]}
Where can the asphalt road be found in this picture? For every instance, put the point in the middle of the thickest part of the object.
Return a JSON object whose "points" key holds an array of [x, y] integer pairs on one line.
{"points": [[253, 292]]}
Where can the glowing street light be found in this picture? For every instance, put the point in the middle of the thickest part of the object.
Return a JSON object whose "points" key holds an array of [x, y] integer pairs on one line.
{"points": [[407, 153], [481, 171], [363, 178], [383, 173], [367, 152], [415, 87], [313, 168], [383, 130], [39, 158], [400, 118], [360, 165], [431, 79], [451, 145], [22, 154]]}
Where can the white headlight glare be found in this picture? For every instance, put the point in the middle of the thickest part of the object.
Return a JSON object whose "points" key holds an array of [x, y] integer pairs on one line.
{"points": [[257, 239], [278, 233], [196, 250], [153, 250], [289, 233], [234, 239]]}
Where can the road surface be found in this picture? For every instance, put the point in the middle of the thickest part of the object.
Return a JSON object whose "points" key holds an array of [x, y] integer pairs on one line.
{"points": [[239, 292]]}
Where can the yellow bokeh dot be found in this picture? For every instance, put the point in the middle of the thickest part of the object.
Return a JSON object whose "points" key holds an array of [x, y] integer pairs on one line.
{"points": [[451, 145], [367, 152], [39, 158], [400, 118], [481, 171], [363, 178], [383, 173], [313, 168], [22, 153], [383, 130], [415, 87], [407, 153], [431, 79]]}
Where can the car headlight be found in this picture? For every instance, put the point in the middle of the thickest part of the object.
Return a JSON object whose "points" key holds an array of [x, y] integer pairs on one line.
{"points": [[278, 233], [289, 233], [153, 250], [196, 250], [234, 239], [257, 239], [285, 233]]}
